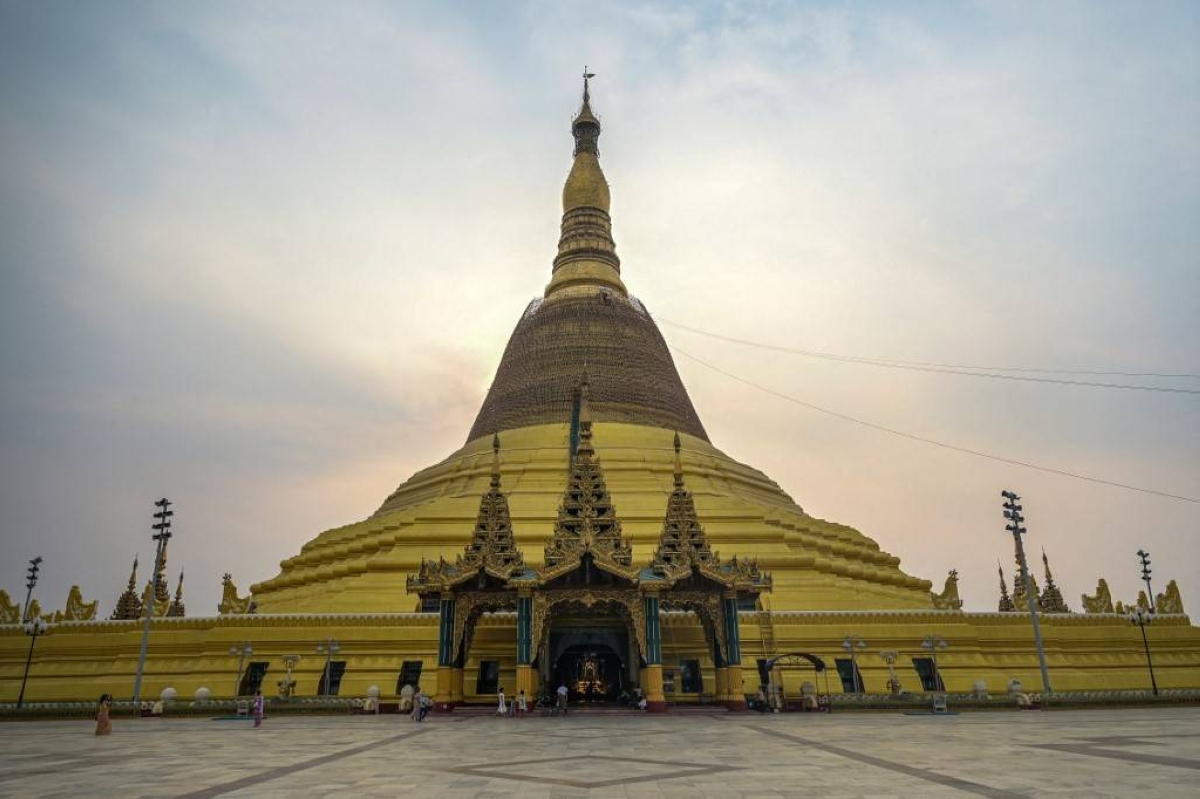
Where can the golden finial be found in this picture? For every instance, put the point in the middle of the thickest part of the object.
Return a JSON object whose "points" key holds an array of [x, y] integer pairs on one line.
{"points": [[133, 574], [586, 76]]}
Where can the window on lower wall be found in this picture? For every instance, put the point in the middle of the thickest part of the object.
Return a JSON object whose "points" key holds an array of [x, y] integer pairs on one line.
{"points": [[488, 681], [410, 674], [252, 679], [848, 671], [930, 679], [690, 681], [331, 678], [747, 603]]}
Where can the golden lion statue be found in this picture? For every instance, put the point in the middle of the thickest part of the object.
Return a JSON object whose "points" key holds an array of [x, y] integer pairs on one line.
{"points": [[77, 609], [1101, 602], [1171, 601], [231, 603], [948, 599]]}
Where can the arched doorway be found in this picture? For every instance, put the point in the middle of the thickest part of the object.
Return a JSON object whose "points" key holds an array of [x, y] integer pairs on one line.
{"points": [[589, 644]]}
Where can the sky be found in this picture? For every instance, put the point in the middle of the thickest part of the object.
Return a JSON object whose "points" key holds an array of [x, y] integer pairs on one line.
{"points": [[263, 259]]}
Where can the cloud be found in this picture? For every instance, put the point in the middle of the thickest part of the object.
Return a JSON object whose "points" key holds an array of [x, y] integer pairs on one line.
{"points": [[266, 260]]}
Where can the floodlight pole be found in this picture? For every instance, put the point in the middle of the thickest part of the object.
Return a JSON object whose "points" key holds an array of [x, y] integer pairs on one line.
{"points": [[1144, 557], [163, 527], [1012, 512]]}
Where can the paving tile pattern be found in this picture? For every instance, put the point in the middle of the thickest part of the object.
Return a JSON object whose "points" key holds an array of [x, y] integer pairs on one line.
{"points": [[1093, 753]]}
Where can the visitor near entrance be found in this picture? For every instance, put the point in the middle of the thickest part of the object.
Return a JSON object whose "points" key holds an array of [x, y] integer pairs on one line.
{"points": [[562, 698], [103, 725], [502, 708], [258, 707]]}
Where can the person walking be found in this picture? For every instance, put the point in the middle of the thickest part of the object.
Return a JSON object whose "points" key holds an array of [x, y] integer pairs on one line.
{"points": [[103, 724], [502, 708], [418, 699], [562, 698], [522, 707], [258, 707]]}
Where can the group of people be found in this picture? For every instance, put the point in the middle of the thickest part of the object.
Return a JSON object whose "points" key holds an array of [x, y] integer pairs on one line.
{"points": [[104, 712]]}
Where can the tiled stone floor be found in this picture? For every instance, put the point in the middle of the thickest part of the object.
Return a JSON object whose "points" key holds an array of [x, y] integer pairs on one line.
{"points": [[1093, 753]]}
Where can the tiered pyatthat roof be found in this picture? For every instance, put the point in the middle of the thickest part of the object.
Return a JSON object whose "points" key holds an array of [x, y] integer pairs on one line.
{"points": [[492, 549], [1006, 603], [587, 521], [177, 608], [1052, 599], [129, 604], [683, 548]]}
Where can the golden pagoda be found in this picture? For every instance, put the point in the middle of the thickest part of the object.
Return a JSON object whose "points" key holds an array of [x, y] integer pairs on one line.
{"points": [[589, 532]]}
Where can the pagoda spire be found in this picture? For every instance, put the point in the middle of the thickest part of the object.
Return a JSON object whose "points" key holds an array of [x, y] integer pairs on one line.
{"points": [[1006, 603], [587, 256], [1052, 599], [160, 579], [129, 604], [177, 609]]}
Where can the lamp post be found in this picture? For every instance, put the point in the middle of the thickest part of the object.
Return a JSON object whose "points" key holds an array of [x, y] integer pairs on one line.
{"points": [[162, 528], [1144, 557], [932, 644], [33, 628], [854, 646], [889, 657], [241, 651], [1012, 512], [1141, 617], [328, 648], [31, 579]]}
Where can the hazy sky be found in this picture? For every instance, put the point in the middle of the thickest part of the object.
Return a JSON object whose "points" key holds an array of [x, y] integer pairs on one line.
{"points": [[263, 258]]}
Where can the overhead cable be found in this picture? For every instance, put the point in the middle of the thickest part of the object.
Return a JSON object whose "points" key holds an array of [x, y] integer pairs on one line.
{"points": [[954, 369], [933, 442]]}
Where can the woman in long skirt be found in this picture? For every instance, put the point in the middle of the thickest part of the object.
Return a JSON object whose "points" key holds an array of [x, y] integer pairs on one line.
{"points": [[258, 708], [418, 699], [103, 724], [502, 709]]}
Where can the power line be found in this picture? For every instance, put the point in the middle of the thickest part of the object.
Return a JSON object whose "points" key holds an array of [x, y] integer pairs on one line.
{"points": [[958, 369], [934, 442]]}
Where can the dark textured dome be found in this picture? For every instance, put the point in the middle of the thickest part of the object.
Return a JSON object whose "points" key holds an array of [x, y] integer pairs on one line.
{"points": [[629, 368]]}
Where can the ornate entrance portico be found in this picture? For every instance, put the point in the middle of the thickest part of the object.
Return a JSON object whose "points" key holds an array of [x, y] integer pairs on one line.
{"points": [[588, 574]]}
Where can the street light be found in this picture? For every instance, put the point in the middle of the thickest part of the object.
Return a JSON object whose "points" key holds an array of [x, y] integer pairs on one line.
{"points": [[33, 628], [1012, 512], [854, 646], [1144, 557], [889, 657], [162, 526], [31, 578], [329, 648], [1141, 617], [932, 644], [241, 651]]}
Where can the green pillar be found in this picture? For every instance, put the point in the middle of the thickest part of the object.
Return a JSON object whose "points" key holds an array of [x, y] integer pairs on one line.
{"points": [[653, 632], [446, 633], [731, 631], [524, 630]]}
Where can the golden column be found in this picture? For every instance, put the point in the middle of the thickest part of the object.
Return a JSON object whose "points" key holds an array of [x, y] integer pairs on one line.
{"points": [[722, 670]]}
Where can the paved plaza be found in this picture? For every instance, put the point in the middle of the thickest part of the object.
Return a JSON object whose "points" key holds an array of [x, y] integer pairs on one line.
{"points": [[1090, 753]]}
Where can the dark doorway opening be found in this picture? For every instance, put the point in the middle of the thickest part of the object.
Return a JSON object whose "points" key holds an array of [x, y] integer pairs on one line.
{"points": [[591, 672]]}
